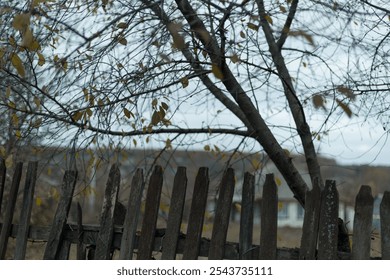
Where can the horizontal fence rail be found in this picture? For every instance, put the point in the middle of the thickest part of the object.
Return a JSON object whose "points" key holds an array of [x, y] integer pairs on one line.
{"points": [[323, 235]]}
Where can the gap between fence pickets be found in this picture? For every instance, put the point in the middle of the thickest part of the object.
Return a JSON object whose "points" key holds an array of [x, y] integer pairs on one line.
{"points": [[192, 245]]}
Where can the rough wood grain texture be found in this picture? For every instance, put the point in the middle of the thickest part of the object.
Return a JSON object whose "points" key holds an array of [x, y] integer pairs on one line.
{"points": [[385, 225], [152, 206], [132, 214], [171, 238], [63, 253], [328, 227], [81, 254], [3, 171], [222, 215], [104, 239], [195, 221], [25, 213], [246, 221], [9, 211], [41, 233], [310, 223], [56, 232], [362, 224], [269, 219]]}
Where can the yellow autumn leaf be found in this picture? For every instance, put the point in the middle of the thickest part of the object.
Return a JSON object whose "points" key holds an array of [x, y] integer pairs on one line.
{"points": [[345, 108], [37, 101], [122, 41], [77, 116], [184, 81], [217, 71], [2, 151], [41, 59], [234, 58], [253, 26], [278, 181], [207, 148], [15, 120], [122, 25], [28, 38], [18, 134], [269, 19], [8, 92], [127, 113], [18, 64], [38, 201], [21, 22]]}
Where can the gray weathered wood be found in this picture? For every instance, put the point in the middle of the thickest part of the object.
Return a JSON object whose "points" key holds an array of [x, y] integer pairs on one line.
{"points": [[81, 253], [60, 217], [176, 207], [104, 239], [269, 219], [328, 226], [385, 225], [310, 223], [64, 251], [246, 221], [152, 205], [25, 213], [3, 171], [222, 215], [9, 211], [132, 214], [362, 224], [196, 217]]}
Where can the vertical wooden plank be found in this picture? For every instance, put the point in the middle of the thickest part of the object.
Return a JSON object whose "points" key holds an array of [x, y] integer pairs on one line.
{"points": [[132, 214], [222, 215], [57, 229], [385, 225], [328, 227], [25, 214], [246, 220], [362, 224], [63, 252], [176, 207], [269, 219], [196, 218], [9, 211], [311, 223], [3, 171], [81, 252], [152, 205], [106, 232]]}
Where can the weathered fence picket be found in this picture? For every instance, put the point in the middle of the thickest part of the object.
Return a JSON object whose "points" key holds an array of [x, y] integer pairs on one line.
{"points": [[3, 170], [104, 239], [171, 238], [222, 216], [321, 221], [246, 220], [195, 221], [9, 211], [310, 223], [146, 241], [132, 214], [361, 239], [55, 239], [328, 223], [25, 213], [385, 225], [269, 219]]}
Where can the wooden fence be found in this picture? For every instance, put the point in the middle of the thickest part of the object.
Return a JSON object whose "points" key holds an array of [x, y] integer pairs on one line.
{"points": [[320, 237]]}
